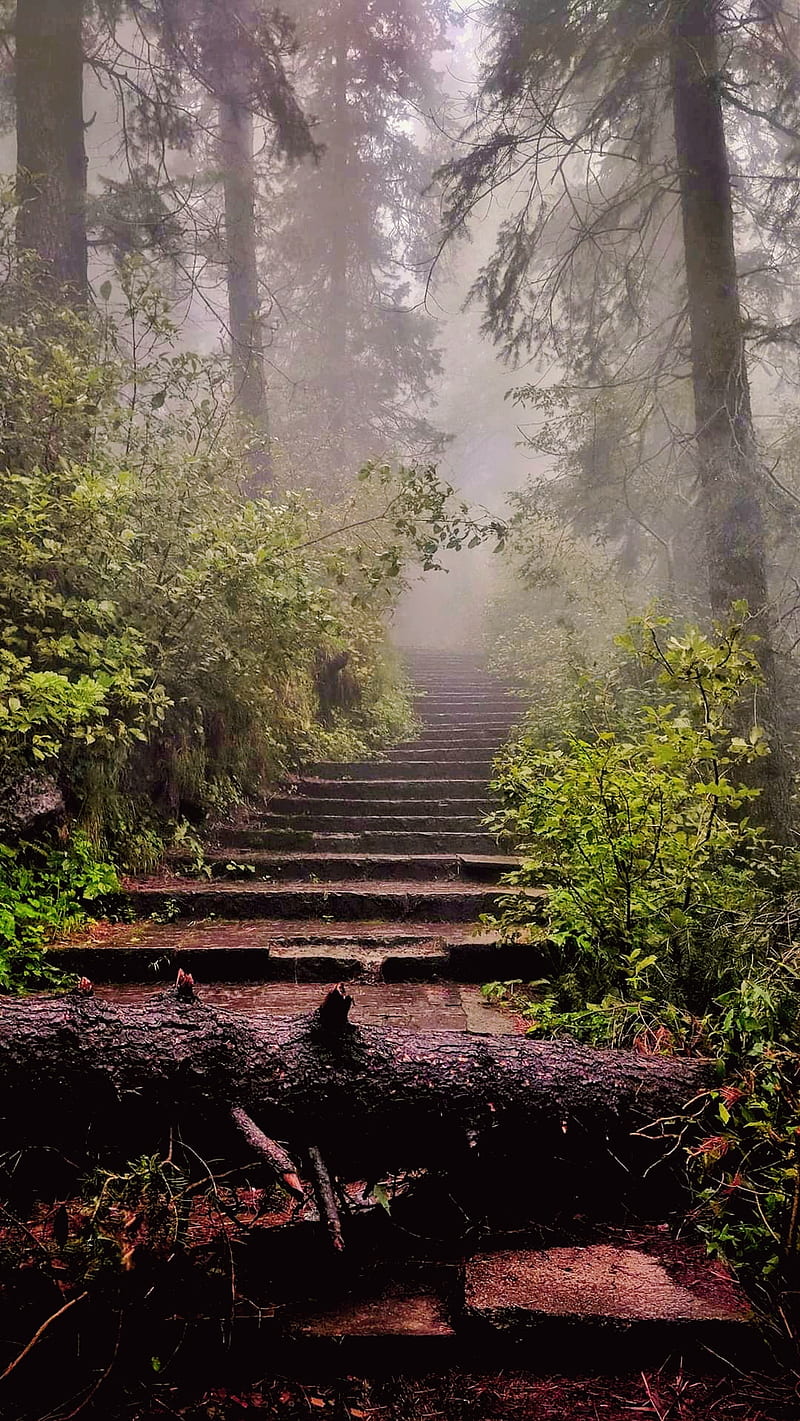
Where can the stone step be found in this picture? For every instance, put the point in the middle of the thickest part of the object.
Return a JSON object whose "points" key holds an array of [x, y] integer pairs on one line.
{"points": [[448, 743], [558, 1311], [358, 823], [462, 726], [338, 867], [463, 770], [411, 1006], [308, 805], [413, 901], [258, 950], [471, 708], [461, 683], [390, 785], [380, 841], [467, 694], [461, 689], [607, 1298], [403, 1320], [438, 719], [435, 656], [419, 750]]}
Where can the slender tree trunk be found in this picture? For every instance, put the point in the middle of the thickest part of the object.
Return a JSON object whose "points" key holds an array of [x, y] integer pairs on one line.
{"points": [[727, 461], [339, 176], [51, 153], [241, 253]]}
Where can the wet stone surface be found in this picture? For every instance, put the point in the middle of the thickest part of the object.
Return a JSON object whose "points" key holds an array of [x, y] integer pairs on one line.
{"points": [[413, 1007], [599, 1281], [391, 1314]]}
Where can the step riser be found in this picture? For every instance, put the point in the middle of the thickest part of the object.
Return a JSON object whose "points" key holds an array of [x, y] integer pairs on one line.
{"points": [[448, 746], [472, 725], [394, 784], [289, 805], [370, 823], [435, 720], [384, 797], [466, 709], [336, 906], [374, 797], [446, 870], [465, 742], [378, 842], [384, 771], [460, 687], [436, 758], [464, 963], [388, 792], [462, 692], [469, 698], [428, 747]]}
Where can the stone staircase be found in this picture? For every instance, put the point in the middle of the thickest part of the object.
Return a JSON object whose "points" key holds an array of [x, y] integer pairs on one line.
{"points": [[375, 874]]}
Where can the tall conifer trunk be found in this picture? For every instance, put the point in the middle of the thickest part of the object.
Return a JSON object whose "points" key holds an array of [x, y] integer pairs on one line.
{"points": [[51, 152], [338, 315], [727, 462], [241, 251]]}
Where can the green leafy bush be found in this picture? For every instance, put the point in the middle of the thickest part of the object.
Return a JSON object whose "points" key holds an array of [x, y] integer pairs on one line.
{"points": [[162, 632], [671, 919], [44, 893], [640, 828]]}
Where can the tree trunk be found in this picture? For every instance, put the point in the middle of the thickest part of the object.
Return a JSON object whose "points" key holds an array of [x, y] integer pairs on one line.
{"points": [[727, 461], [241, 254], [51, 154], [369, 1101], [338, 167]]}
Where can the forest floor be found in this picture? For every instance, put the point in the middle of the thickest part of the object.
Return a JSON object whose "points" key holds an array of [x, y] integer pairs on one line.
{"points": [[460, 1395]]}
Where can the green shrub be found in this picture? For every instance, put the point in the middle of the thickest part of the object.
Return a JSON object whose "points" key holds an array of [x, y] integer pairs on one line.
{"points": [[671, 921], [162, 632], [44, 893], [640, 830]]}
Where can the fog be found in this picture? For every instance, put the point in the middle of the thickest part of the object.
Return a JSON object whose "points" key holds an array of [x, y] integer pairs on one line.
{"points": [[367, 344]]}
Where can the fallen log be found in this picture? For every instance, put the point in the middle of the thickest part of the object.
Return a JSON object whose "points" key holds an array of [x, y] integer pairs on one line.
{"points": [[83, 1076]]}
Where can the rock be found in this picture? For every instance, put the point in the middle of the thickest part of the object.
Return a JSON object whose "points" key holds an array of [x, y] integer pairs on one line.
{"points": [[32, 803], [514, 1290], [394, 1313]]}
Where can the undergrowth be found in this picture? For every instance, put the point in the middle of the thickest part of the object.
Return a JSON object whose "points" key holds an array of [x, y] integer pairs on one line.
{"points": [[45, 892], [671, 919]]}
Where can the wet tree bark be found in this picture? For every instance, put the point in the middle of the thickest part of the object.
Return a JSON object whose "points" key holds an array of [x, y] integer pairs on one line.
{"points": [[51, 153], [367, 1099], [241, 248], [727, 460]]}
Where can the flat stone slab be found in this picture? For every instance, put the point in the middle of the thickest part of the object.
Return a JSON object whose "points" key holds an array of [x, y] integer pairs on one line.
{"points": [[599, 1282], [254, 933], [321, 962], [295, 950], [457, 900], [389, 1316]]}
